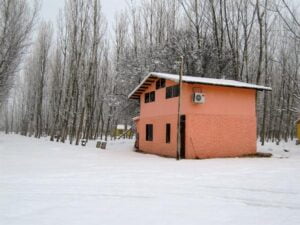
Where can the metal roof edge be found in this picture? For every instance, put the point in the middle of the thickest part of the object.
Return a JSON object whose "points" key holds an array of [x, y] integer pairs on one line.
{"points": [[141, 83], [167, 76]]}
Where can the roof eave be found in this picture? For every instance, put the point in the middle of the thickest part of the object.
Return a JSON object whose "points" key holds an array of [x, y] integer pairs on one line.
{"points": [[132, 95], [233, 86], [142, 82]]}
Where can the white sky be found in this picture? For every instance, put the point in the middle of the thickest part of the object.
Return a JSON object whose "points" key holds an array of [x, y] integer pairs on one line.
{"points": [[50, 9]]}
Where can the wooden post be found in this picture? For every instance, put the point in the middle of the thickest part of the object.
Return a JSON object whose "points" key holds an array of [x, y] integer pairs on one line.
{"points": [[179, 111]]}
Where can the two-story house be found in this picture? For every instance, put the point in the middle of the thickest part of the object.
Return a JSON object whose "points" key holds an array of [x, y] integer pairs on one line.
{"points": [[218, 117]]}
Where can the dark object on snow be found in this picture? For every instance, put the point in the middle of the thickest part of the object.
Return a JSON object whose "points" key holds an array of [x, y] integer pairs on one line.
{"points": [[83, 142], [101, 144], [285, 150], [259, 155], [297, 142], [98, 145]]}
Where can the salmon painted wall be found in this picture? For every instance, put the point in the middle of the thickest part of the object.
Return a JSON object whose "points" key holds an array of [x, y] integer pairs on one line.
{"points": [[159, 113], [224, 126]]}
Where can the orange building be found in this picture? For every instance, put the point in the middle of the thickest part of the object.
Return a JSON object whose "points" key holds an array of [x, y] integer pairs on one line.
{"points": [[218, 117]]}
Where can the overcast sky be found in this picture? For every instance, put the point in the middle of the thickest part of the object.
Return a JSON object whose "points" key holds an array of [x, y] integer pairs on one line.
{"points": [[50, 9]]}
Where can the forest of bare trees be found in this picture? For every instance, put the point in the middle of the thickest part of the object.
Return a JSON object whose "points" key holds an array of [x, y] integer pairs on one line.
{"points": [[72, 81]]}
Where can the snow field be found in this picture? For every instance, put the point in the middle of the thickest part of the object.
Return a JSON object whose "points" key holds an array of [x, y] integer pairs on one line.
{"points": [[49, 183]]}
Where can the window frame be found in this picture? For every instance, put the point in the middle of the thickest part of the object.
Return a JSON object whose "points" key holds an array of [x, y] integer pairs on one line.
{"points": [[152, 96], [172, 91], [149, 132], [176, 91], [160, 83], [168, 133], [149, 97]]}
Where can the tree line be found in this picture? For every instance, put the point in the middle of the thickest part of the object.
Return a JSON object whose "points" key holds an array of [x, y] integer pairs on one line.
{"points": [[74, 84]]}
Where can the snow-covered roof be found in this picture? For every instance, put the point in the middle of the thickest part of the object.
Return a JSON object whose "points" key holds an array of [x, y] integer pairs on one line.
{"points": [[136, 118], [122, 127], [151, 77]]}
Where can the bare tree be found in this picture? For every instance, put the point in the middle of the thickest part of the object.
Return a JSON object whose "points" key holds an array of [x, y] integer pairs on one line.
{"points": [[17, 20]]}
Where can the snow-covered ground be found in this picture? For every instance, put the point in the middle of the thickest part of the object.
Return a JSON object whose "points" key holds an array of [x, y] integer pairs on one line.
{"points": [[46, 183]]}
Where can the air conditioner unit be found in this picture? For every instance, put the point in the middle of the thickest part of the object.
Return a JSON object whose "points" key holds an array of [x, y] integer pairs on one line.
{"points": [[198, 98]]}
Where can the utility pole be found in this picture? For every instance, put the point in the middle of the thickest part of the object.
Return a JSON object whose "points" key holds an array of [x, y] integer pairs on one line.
{"points": [[179, 112]]}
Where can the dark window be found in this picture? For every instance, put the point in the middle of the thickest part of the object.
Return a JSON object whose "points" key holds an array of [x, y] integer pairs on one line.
{"points": [[150, 97], [147, 97], [149, 132], [168, 133], [172, 91], [169, 92], [160, 83], [176, 91]]}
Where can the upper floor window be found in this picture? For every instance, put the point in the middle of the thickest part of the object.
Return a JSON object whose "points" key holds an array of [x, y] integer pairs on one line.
{"points": [[150, 97], [172, 91], [160, 83]]}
